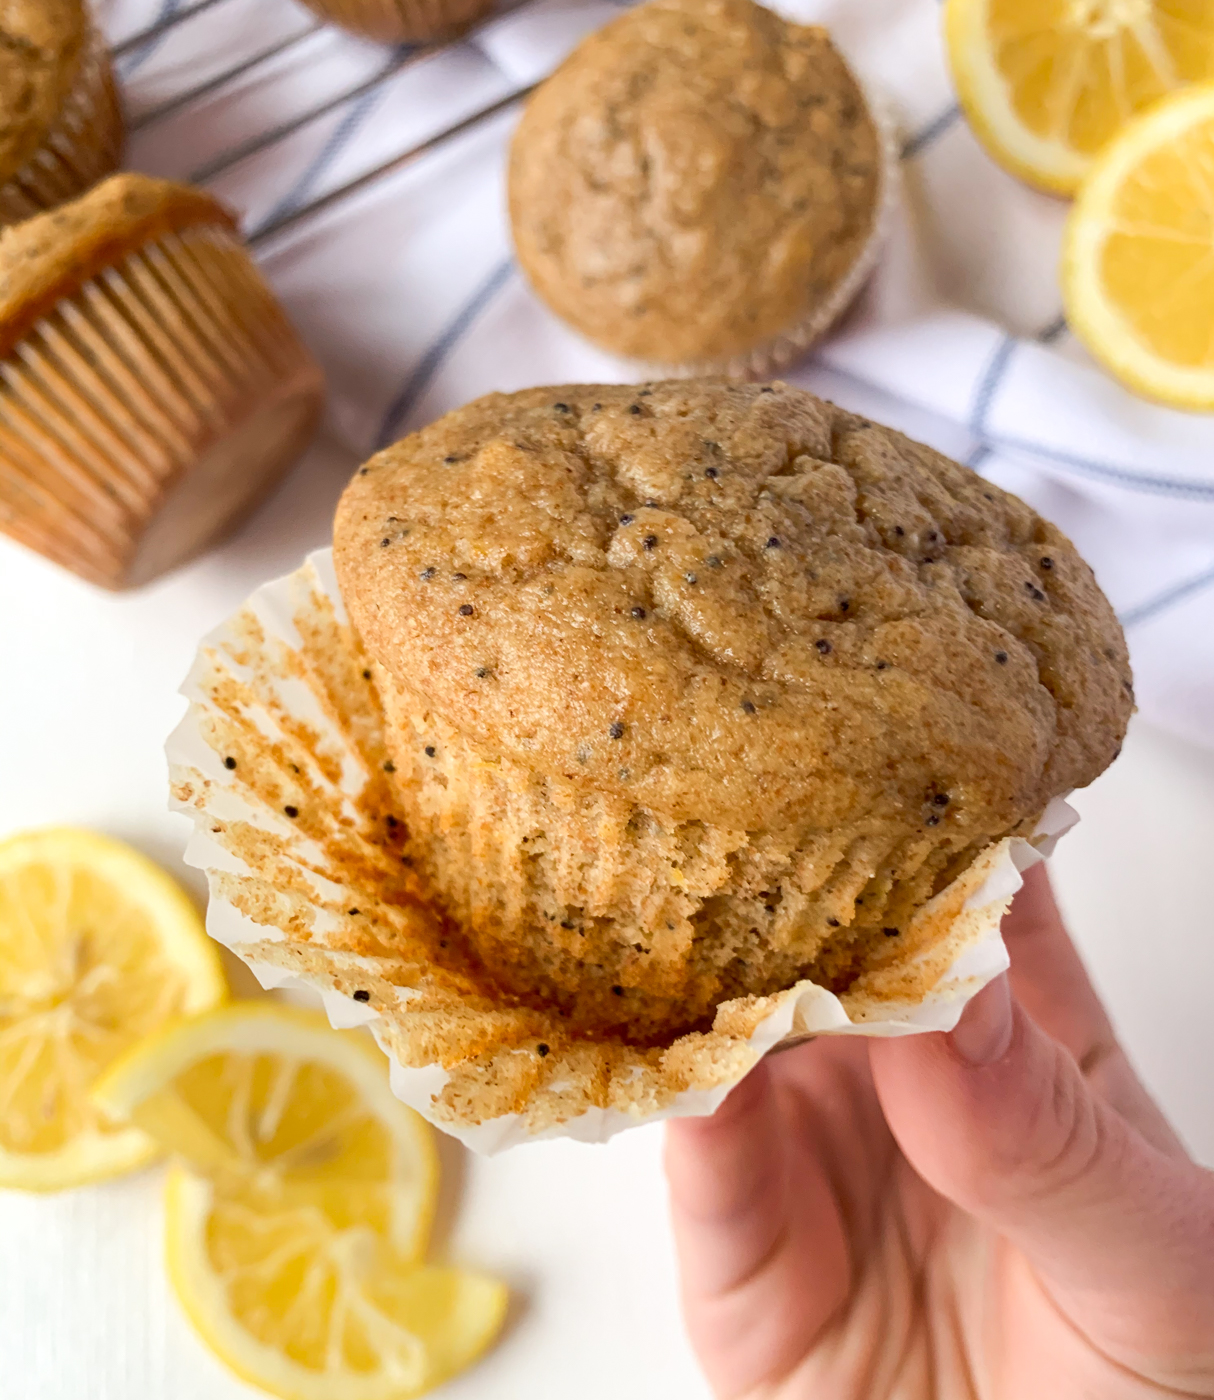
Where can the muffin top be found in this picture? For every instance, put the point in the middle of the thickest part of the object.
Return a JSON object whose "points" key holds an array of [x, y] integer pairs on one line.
{"points": [[734, 603], [41, 46], [54, 254], [694, 180]]}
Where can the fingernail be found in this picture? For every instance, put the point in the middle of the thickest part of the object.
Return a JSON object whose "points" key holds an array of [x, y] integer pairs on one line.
{"points": [[985, 1029]]}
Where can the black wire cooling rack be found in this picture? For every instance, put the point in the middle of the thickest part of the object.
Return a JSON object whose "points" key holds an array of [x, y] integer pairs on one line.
{"points": [[396, 62]]}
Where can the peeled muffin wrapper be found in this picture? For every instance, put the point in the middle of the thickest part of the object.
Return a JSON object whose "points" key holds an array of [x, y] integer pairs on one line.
{"points": [[148, 412], [83, 146], [281, 763], [400, 21]]}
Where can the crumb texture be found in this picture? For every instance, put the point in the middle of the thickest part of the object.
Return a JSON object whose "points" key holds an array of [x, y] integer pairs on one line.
{"points": [[695, 179], [696, 688], [41, 46]]}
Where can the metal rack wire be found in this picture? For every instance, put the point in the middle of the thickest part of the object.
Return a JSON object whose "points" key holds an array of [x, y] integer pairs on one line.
{"points": [[398, 61]]}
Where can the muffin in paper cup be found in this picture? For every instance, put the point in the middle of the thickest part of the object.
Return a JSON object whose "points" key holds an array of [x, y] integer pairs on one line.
{"points": [[702, 188], [280, 762], [154, 389], [633, 730], [401, 21], [61, 126]]}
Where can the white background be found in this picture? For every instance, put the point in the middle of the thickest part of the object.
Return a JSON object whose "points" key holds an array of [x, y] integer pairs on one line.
{"points": [[87, 695]]}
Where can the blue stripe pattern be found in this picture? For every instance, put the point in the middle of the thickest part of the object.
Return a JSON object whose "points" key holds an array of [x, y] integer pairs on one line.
{"points": [[341, 137], [988, 385], [434, 358], [1167, 599], [928, 135], [131, 62]]}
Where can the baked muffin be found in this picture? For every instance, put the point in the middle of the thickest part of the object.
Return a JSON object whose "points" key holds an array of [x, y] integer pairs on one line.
{"points": [[696, 689], [700, 185], [60, 122], [154, 389], [401, 21]]}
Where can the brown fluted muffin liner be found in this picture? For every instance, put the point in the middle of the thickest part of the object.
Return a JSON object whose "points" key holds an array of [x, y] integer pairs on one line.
{"points": [[146, 413], [401, 21], [82, 147]]}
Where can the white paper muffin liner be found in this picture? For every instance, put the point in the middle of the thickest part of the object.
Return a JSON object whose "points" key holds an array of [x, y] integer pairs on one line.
{"points": [[280, 762]]}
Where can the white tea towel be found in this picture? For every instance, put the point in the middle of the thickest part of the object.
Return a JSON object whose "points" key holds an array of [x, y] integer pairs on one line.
{"points": [[409, 293]]}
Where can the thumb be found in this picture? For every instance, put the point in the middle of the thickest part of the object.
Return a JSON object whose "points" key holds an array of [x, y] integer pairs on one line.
{"points": [[998, 1118]]}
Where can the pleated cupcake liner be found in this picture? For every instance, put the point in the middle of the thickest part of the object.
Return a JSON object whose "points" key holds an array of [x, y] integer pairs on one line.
{"points": [[282, 763], [146, 414], [401, 21], [82, 147]]}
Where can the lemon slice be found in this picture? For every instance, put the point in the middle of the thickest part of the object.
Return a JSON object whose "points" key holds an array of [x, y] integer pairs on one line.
{"points": [[1047, 83], [1138, 259], [294, 1232], [98, 947]]}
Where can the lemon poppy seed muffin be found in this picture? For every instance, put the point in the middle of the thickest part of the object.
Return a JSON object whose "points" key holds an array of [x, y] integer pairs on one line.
{"points": [[401, 21], [60, 123], [697, 688], [154, 390], [699, 185]]}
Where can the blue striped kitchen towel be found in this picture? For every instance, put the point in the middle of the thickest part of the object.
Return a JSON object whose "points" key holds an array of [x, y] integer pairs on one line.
{"points": [[409, 294]]}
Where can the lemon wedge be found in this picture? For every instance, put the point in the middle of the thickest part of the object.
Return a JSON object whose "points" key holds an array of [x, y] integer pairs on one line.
{"points": [[295, 1226], [1138, 259], [98, 947], [1046, 84]]}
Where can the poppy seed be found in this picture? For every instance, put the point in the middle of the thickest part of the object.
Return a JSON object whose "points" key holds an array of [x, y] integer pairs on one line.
{"points": [[481, 672], [832, 923], [627, 519], [650, 541], [691, 578], [617, 729], [772, 543], [428, 573], [465, 610], [541, 1049], [389, 767], [561, 407], [748, 706], [891, 932], [941, 799], [933, 820], [362, 994], [617, 991], [823, 646], [634, 408], [711, 472], [1001, 657], [291, 811], [638, 612], [1046, 563], [229, 763], [430, 751]]}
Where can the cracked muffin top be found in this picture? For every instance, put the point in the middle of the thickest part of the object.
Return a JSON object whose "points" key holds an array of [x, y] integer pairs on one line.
{"points": [[695, 180], [736, 604], [41, 45]]}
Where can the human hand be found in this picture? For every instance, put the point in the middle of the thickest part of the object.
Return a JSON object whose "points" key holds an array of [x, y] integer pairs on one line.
{"points": [[1000, 1213]]}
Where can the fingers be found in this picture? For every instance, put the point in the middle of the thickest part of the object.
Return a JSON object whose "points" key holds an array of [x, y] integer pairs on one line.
{"points": [[998, 1118], [1050, 982], [1048, 977], [742, 1210]]}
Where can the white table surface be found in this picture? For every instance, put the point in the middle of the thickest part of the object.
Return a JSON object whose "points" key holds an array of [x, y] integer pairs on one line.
{"points": [[88, 692]]}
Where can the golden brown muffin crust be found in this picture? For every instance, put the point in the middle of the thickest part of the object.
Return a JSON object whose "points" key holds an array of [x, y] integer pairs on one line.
{"points": [[694, 180], [41, 46], [737, 604], [52, 256]]}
